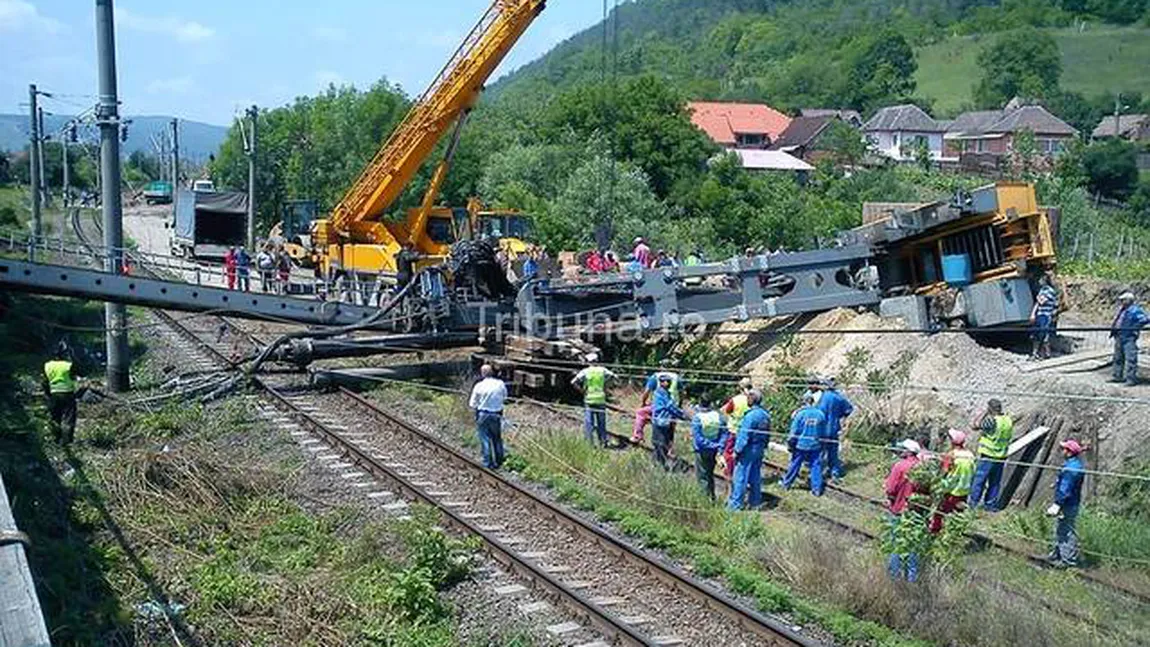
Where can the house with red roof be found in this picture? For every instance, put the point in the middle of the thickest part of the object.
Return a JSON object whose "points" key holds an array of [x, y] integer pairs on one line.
{"points": [[738, 125]]}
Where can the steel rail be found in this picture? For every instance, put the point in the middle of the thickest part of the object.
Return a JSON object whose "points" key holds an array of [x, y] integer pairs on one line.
{"points": [[594, 614], [774, 631], [846, 493]]}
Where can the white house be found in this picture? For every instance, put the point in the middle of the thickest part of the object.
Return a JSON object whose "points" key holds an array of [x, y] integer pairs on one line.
{"points": [[897, 131]]}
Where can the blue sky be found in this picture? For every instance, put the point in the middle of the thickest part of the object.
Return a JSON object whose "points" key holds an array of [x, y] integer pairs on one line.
{"points": [[207, 59]]}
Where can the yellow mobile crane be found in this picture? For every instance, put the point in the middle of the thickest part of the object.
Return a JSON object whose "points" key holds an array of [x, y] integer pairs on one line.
{"points": [[355, 237]]}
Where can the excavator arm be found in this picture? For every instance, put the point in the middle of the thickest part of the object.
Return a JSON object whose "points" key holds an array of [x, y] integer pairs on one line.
{"points": [[446, 101]]}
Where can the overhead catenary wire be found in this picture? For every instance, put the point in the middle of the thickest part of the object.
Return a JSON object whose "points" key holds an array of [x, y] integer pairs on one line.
{"points": [[574, 408], [993, 533], [892, 386]]}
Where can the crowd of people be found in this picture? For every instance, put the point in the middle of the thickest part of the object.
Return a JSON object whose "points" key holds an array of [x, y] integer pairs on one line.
{"points": [[272, 264], [732, 439]]}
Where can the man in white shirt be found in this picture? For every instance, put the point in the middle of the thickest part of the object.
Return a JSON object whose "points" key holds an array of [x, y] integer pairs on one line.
{"points": [[487, 398]]}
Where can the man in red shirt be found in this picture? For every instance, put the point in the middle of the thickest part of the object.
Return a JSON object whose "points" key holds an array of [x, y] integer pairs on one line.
{"points": [[899, 487]]}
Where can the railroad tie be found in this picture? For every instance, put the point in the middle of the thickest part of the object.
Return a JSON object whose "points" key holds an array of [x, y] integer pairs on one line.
{"points": [[533, 607], [564, 628]]}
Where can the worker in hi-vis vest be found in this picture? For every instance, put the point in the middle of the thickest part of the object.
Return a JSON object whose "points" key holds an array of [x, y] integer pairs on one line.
{"points": [[59, 387], [709, 435], [593, 381], [734, 409], [996, 430]]}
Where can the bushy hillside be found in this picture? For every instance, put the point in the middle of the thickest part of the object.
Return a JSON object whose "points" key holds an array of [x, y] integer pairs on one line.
{"points": [[845, 53], [1096, 60]]}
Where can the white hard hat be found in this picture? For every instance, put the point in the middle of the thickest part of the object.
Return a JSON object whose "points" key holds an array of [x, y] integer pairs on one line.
{"points": [[592, 357], [910, 446], [1126, 296]]}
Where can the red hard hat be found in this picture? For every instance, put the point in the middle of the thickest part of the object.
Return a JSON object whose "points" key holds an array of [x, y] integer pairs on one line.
{"points": [[1071, 445]]}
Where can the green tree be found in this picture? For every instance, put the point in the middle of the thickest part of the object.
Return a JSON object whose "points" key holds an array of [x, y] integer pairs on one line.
{"points": [[645, 121], [602, 193], [5, 169], [315, 148], [1024, 63], [1024, 153], [845, 145], [1111, 168], [882, 72]]}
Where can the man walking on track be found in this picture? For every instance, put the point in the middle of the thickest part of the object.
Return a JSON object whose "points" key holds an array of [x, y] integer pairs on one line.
{"points": [[593, 381], [487, 399]]}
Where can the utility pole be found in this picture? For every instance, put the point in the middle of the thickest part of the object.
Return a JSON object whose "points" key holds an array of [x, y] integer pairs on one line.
{"points": [[40, 156], [175, 166], [34, 169], [64, 159], [108, 118], [253, 147], [1117, 114]]}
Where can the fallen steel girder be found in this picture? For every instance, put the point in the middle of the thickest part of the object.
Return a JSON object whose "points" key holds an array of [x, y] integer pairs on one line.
{"points": [[662, 298]]}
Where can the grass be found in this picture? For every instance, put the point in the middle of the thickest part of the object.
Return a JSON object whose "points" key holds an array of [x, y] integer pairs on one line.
{"points": [[1100, 59], [786, 564], [187, 521]]}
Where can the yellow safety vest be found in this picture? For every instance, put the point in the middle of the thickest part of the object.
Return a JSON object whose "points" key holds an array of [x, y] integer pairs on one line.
{"points": [[595, 385], [997, 444], [739, 409], [961, 473], [711, 422], [59, 374]]}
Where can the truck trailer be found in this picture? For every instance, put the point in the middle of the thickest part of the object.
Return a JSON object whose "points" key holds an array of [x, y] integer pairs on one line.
{"points": [[205, 225]]}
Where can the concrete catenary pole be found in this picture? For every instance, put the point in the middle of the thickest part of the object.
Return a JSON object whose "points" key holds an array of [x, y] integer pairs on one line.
{"points": [[108, 117], [34, 165], [64, 161], [175, 166], [253, 150], [40, 156]]}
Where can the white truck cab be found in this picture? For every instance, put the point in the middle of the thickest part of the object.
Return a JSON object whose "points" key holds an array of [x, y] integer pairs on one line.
{"points": [[204, 186]]}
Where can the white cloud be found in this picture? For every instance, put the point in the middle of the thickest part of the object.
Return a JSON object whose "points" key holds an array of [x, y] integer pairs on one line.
{"points": [[184, 31], [179, 85], [18, 15], [328, 77], [330, 35]]}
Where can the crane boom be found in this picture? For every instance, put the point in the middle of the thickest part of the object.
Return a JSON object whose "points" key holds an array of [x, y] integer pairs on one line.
{"points": [[453, 92]]}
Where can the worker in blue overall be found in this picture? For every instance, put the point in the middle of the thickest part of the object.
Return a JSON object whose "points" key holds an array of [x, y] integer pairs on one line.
{"points": [[805, 444], [1067, 497], [836, 407], [750, 447]]}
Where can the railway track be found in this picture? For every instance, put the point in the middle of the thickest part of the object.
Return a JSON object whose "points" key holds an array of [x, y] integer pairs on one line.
{"points": [[867, 534], [622, 594]]}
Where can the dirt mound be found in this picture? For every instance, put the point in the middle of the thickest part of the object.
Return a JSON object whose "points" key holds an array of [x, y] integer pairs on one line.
{"points": [[1094, 300], [946, 378]]}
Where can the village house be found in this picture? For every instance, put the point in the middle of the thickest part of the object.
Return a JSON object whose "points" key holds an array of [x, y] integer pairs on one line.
{"points": [[738, 125], [897, 132], [1129, 127], [993, 132]]}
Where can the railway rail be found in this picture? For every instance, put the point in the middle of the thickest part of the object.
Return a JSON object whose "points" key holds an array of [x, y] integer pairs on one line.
{"points": [[858, 497], [622, 594], [625, 595]]}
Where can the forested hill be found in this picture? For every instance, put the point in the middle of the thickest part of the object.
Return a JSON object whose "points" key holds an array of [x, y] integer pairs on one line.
{"points": [[848, 53]]}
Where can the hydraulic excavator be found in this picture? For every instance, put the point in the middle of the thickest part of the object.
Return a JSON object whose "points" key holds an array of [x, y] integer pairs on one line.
{"points": [[356, 237]]}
